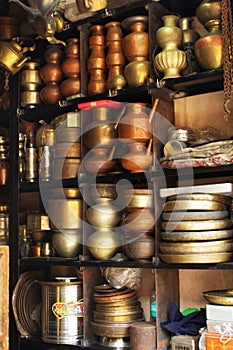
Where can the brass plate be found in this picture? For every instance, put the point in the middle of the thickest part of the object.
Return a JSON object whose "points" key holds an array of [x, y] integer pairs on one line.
{"points": [[193, 205], [196, 225], [207, 258], [219, 297], [220, 246], [196, 235], [202, 196], [195, 215]]}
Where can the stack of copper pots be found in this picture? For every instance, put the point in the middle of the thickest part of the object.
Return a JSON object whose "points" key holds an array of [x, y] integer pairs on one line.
{"points": [[115, 310], [67, 146]]}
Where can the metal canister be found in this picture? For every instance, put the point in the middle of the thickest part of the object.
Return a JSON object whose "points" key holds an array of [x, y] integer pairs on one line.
{"points": [[31, 164], [44, 162], [62, 311]]}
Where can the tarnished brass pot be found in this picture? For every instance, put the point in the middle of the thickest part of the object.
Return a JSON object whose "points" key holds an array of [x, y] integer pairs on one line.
{"points": [[67, 243], [136, 73], [142, 248], [103, 243], [103, 215]]}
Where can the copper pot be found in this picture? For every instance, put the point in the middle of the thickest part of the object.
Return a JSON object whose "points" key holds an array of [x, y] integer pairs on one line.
{"points": [[141, 220], [54, 54], [99, 162], [9, 27], [50, 94], [51, 73], [136, 44], [135, 124], [70, 87]]}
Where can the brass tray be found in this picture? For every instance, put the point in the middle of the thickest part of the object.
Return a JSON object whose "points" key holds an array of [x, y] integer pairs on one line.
{"points": [[196, 225], [202, 196], [196, 235], [219, 297], [207, 258], [195, 215], [219, 246]]}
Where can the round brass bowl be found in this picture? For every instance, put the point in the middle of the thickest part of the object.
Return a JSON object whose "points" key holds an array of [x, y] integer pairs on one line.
{"points": [[201, 258], [195, 215], [202, 196], [99, 191], [115, 317], [196, 235], [139, 198], [196, 247], [193, 205], [118, 308], [103, 215], [65, 168], [196, 225], [219, 297]]}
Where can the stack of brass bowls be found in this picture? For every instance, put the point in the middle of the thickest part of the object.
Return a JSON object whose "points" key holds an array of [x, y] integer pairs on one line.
{"points": [[67, 147], [115, 310], [138, 224], [196, 228]]}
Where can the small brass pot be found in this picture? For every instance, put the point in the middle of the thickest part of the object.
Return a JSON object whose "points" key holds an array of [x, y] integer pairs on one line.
{"points": [[65, 213]]}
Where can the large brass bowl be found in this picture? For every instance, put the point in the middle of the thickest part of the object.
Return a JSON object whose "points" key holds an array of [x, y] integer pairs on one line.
{"points": [[219, 297], [139, 198], [196, 235], [196, 247], [193, 205], [196, 258], [196, 225]]}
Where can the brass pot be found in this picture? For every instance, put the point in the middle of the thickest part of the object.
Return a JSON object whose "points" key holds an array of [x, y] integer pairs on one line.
{"points": [[12, 55], [30, 98], [140, 220], [67, 150], [136, 73], [139, 198], [99, 162], [137, 160], [208, 10], [65, 168], [67, 243], [135, 124], [208, 51], [142, 248], [65, 213], [30, 76], [69, 135], [101, 130], [103, 215], [103, 243], [90, 6], [135, 45]]}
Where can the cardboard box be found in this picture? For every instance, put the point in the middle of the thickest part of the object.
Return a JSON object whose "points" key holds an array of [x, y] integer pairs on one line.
{"points": [[216, 341], [219, 312], [185, 342], [218, 326]]}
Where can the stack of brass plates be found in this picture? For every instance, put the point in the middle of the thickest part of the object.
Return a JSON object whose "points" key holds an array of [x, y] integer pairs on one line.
{"points": [[196, 228], [115, 310]]}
